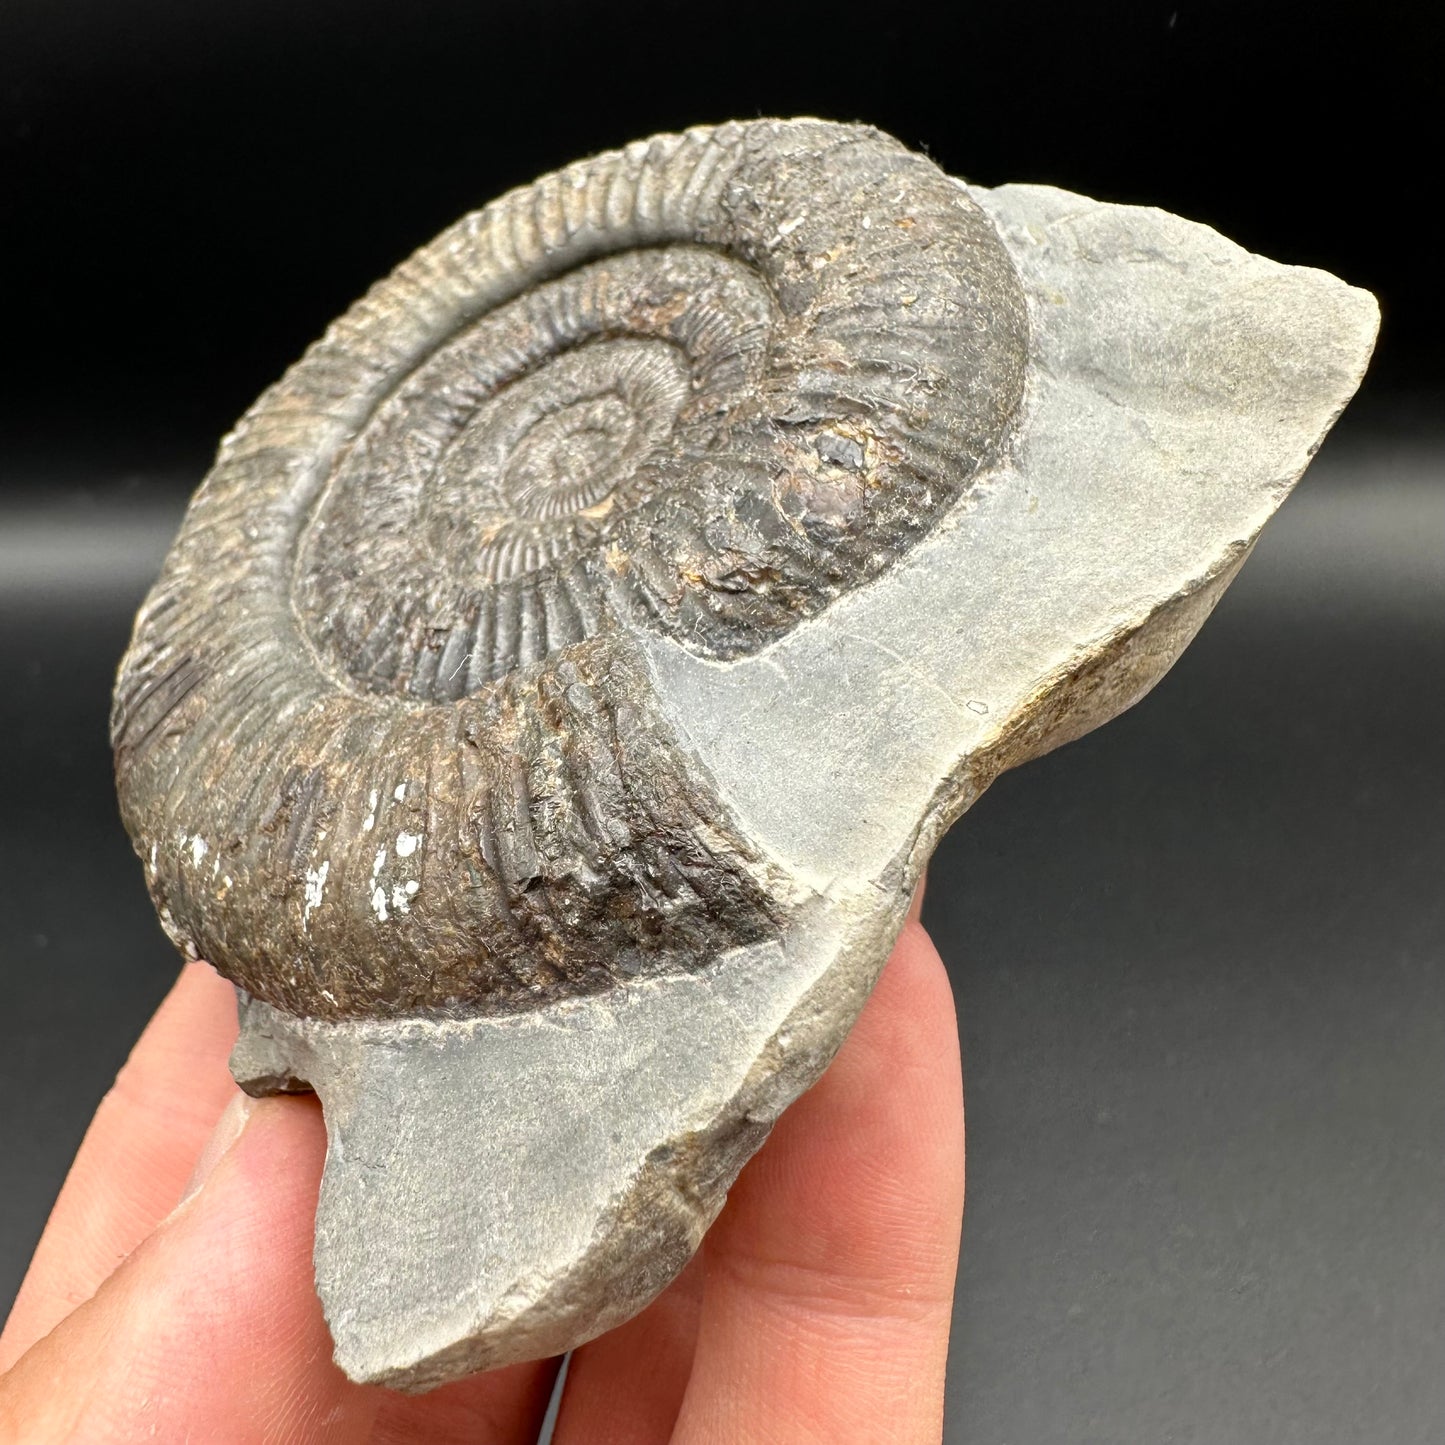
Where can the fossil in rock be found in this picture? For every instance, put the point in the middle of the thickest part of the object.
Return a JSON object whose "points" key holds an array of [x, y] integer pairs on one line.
{"points": [[562, 676]]}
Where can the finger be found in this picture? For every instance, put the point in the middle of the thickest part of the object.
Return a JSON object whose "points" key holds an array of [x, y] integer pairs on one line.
{"points": [[830, 1271], [136, 1156], [210, 1330], [500, 1406], [625, 1388]]}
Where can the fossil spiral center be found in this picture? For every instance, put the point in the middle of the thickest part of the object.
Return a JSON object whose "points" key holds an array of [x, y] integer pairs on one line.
{"points": [[472, 526], [561, 465], [526, 479]]}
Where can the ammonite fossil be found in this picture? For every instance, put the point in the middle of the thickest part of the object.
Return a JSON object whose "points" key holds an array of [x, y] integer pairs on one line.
{"points": [[561, 678], [375, 725]]}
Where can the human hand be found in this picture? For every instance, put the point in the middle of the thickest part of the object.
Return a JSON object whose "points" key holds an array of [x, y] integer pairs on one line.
{"points": [[172, 1298]]}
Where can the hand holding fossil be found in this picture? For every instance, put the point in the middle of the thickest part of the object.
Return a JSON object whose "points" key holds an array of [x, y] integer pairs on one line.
{"points": [[561, 679], [818, 1308]]}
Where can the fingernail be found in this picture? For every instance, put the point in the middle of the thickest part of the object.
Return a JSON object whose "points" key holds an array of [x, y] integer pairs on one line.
{"points": [[227, 1131]]}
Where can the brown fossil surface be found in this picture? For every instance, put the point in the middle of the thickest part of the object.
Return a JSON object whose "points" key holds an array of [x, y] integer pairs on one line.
{"points": [[704, 385]]}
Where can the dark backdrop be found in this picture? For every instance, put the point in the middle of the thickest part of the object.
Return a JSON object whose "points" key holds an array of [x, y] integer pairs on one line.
{"points": [[1198, 956], [192, 189]]}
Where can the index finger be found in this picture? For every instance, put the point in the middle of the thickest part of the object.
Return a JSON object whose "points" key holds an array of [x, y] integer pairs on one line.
{"points": [[137, 1155]]}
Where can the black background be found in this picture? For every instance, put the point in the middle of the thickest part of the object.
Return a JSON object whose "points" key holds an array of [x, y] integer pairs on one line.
{"points": [[193, 189], [1198, 955]]}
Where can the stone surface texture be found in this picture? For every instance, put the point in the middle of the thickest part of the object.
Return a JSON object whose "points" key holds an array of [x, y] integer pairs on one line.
{"points": [[621, 622]]}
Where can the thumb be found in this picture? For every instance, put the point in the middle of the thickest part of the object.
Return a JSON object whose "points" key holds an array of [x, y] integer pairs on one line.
{"points": [[210, 1331]]}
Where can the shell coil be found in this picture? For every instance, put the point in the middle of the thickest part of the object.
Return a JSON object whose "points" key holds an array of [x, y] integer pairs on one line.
{"points": [[702, 385]]}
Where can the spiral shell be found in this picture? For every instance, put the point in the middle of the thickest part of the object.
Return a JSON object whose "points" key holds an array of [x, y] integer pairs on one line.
{"points": [[380, 737]]}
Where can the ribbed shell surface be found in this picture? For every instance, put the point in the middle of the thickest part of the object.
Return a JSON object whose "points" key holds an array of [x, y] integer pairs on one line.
{"points": [[380, 738]]}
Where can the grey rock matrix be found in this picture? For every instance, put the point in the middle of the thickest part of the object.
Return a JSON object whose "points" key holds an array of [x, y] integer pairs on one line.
{"points": [[561, 679]]}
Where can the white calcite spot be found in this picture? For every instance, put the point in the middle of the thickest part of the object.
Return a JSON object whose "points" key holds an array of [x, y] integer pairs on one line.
{"points": [[315, 890], [198, 849], [378, 903], [400, 794], [378, 862], [369, 822], [407, 844], [400, 899]]}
